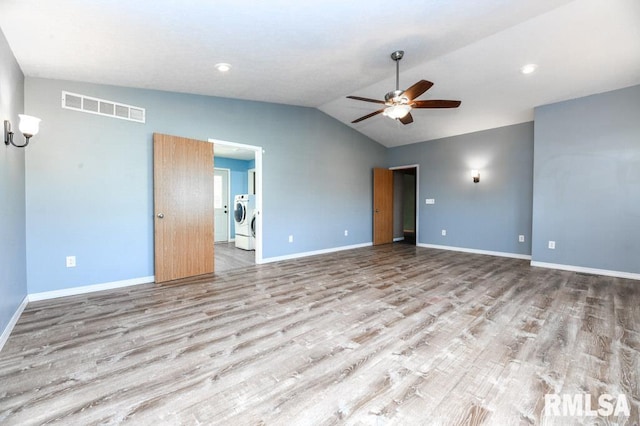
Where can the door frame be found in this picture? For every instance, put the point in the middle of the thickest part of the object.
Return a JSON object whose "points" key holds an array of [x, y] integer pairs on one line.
{"points": [[257, 152], [228, 195], [251, 176], [417, 167]]}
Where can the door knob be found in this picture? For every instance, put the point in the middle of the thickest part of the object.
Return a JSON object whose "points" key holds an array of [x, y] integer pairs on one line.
{"points": [[160, 215]]}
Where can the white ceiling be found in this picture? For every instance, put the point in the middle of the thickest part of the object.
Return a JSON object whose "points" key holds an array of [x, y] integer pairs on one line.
{"points": [[315, 52], [233, 152]]}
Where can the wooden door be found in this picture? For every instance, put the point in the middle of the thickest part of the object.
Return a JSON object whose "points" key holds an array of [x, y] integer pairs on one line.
{"points": [[382, 206], [221, 204], [183, 204]]}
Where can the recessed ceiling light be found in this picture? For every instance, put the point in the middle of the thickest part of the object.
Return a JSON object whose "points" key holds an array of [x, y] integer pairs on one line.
{"points": [[528, 69], [223, 67]]}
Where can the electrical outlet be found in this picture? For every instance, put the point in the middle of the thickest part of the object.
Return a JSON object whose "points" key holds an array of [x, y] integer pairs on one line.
{"points": [[552, 245], [346, 232], [430, 201], [521, 238], [71, 261], [290, 238], [444, 232]]}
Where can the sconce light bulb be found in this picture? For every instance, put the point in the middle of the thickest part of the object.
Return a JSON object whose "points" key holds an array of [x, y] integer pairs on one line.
{"points": [[29, 127]]}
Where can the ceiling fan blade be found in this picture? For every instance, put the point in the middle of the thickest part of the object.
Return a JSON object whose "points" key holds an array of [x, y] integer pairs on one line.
{"points": [[358, 98], [417, 89], [407, 119], [435, 103], [367, 116]]}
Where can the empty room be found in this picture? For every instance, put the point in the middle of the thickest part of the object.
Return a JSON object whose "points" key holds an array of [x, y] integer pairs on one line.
{"points": [[318, 212]]}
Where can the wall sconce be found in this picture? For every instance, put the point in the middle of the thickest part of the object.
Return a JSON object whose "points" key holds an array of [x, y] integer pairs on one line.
{"points": [[475, 174], [29, 127]]}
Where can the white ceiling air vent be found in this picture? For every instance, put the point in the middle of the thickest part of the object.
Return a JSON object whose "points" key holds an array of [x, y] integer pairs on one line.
{"points": [[102, 107]]}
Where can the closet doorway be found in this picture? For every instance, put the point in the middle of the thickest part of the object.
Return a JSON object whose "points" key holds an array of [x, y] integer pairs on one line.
{"points": [[405, 204]]}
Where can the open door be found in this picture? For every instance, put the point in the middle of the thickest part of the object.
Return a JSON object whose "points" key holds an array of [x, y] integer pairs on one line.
{"points": [[183, 207], [382, 206]]}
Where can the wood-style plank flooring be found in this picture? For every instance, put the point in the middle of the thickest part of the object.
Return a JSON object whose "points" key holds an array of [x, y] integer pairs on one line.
{"points": [[228, 257], [375, 336]]}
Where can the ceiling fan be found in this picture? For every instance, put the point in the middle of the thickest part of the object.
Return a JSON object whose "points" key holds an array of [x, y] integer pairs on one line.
{"points": [[399, 103]]}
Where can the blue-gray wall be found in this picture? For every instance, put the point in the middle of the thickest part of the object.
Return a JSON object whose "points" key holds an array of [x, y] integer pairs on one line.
{"points": [[238, 181], [13, 270], [89, 182], [89, 178], [488, 215], [587, 182]]}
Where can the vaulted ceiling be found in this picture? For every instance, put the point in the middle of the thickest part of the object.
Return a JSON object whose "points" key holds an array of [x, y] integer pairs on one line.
{"points": [[316, 52]]}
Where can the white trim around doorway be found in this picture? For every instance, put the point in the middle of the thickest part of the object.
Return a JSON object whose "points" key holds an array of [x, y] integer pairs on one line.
{"points": [[257, 150], [417, 167]]}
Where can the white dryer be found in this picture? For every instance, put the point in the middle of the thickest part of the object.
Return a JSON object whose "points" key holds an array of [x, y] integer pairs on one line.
{"points": [[254, 223], [244, 208]]}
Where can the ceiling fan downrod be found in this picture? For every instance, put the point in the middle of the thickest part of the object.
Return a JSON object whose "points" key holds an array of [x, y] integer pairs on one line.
{"points": [[395, 97], [396, 56]]}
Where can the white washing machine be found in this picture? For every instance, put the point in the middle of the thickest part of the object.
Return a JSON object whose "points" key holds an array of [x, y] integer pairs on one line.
{"points": [[243, 213]]}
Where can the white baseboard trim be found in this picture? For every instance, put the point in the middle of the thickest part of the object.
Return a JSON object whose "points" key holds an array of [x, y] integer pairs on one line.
{"points": [[73, 291], [12, 322], [594, 271], [314, 253], [476, 251]]}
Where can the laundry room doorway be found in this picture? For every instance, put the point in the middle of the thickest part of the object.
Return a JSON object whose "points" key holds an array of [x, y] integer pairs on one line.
{"points": [[230, 254]]}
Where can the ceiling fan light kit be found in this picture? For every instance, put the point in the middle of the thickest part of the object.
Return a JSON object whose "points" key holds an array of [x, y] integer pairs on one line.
{"points": [[399, 103], [396, 111]]}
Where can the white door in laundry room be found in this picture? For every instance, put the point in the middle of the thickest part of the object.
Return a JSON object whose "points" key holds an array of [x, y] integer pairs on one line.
{"points": [[221, 204]]}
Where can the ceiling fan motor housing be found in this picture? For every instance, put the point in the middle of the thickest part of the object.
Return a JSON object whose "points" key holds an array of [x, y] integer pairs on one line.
{"points": [[395, 98]]}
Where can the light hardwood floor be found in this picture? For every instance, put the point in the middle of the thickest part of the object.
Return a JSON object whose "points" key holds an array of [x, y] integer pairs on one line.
{"points": [[374, 336], [228, 257]]}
